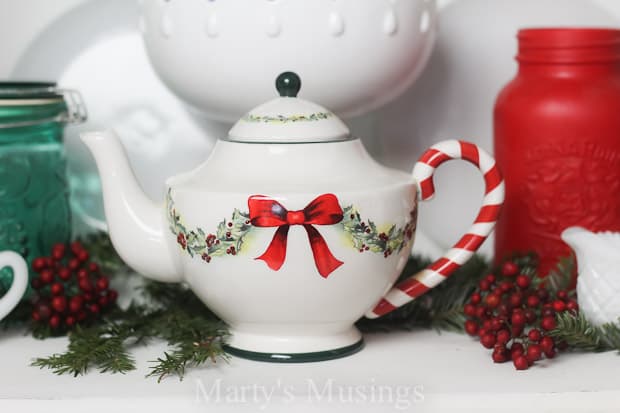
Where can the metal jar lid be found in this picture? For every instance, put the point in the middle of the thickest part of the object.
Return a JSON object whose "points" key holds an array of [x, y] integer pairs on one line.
{"points": [[32, 103]]}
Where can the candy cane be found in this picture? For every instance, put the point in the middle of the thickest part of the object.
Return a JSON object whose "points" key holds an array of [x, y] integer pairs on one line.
{"points": [[463, 250]]}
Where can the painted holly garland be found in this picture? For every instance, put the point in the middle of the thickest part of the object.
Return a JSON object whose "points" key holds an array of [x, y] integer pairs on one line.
{"points": [[287, 119], [229, 236], [366, 236], [226, 240]]}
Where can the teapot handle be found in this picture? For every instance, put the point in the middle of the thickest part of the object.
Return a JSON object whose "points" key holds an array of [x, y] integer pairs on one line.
{"points": [[20, 281], [462, 251]]}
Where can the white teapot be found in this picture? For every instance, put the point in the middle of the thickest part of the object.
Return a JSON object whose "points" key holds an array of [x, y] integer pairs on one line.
{"points": [[289, 231], [20, 281]]}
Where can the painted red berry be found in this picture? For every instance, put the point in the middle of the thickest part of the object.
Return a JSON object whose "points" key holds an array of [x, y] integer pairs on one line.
{"points": [[516, 350], [572, 306], [484, 285], [550, 353], [58, 251], [488, 340], [475, 299], [500, 354], [93, 267], [102, 283], [64, 273], [94, 308], [59, 303], [38, 264], [506, 286], [82, 256], [547, 343], [534, 353], [74, 264], [515, 299], [562, 295], [47, 276], [510, 269], [471, 327], [533, 301], [496, 323], [85, 285], [503, 336], [559, 306], [517, 330], [482, 313], [523, 281], [76, 247], [54, 321], [490, 278], [518, 319], [469, 310], [534, 335], [492, 300], [521, 363], [76, 303], [548, 323], [70, 321], [57, 288]]}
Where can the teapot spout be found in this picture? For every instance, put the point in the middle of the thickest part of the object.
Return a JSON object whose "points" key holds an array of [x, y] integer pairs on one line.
{"points": [[136, 224]]}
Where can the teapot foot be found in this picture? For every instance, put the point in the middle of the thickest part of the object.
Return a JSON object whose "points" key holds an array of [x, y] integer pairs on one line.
{"points": [[299, 349]]}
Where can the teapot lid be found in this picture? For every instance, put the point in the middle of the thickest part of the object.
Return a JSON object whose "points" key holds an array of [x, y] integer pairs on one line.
{"points": [[289, 119]]}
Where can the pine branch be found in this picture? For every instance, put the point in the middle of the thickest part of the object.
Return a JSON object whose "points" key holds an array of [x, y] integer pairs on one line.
{"points": [[560, 277], [441, 308], [611, 335], [193, 333], [577, 331]]}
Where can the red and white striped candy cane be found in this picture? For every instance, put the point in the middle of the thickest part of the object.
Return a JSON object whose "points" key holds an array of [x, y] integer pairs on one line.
{"points": [[462, 251]]}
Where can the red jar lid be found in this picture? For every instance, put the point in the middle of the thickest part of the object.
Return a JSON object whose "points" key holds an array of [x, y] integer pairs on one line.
{"points": [[569, 45]]}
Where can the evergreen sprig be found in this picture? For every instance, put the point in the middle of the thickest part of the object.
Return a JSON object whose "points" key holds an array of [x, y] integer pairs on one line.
{"points": [[441, 308], [194, 336], [580, 334]]}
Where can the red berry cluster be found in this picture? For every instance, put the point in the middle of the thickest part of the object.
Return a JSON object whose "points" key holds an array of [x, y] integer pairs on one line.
{"points": [[69, 288], [512, 314]]}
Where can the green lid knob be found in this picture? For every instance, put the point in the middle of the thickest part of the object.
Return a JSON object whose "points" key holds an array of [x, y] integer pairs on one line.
{"points": [[288, 84]]}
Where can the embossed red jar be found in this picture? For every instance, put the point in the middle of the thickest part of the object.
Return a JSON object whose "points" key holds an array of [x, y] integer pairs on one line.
{"points": [[557, 140]]}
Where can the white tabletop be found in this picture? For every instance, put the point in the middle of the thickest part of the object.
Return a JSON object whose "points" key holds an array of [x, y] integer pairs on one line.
{"points": [[418, 371]]}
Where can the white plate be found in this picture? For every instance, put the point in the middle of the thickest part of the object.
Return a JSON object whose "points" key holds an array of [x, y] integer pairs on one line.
{"points": [[96, 48]]}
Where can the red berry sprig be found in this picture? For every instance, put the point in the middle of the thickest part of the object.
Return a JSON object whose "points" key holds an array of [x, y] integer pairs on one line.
{"points": [[70, 289], [512, 314]]}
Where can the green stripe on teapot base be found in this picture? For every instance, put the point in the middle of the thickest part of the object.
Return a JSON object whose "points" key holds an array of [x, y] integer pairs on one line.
{"points": [[296, 357]]}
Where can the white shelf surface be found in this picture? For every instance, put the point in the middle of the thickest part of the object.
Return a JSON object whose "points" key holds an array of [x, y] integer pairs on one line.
{"points": [[419, 371]]}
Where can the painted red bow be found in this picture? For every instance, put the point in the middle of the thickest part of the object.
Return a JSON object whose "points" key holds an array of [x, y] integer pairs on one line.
{"points": [[324, 210]]}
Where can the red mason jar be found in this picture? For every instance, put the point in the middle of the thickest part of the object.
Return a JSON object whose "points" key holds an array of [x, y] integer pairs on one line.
{"points": [[557, 140]]}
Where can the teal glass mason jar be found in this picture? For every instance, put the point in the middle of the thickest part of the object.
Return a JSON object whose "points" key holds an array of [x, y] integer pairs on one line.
{"points": [[34, 194]]}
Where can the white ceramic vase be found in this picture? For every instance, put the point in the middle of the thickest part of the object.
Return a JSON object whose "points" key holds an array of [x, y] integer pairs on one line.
{"points": [[598, 283]]}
